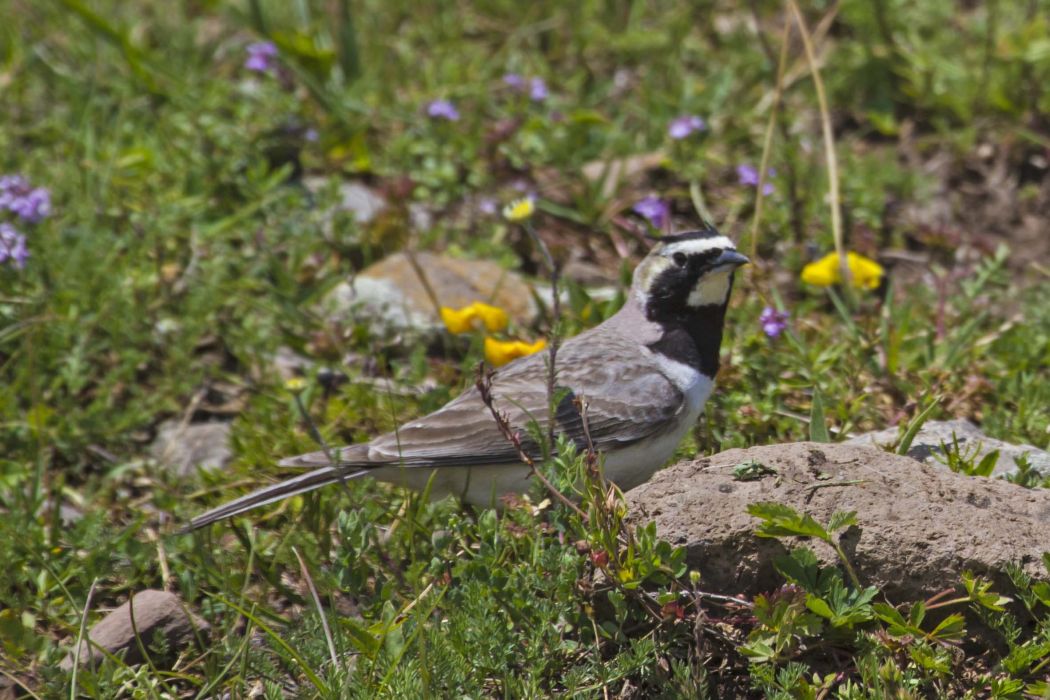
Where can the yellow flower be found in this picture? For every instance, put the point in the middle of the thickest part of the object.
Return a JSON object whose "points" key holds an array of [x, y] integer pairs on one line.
{"points": [[500, 352], [864, 272], [462, 320], [519, 209], [295, 385], [458, 320], [494, 318]]}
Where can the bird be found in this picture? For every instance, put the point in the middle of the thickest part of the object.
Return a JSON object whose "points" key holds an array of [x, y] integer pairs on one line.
{"points": [[644, 374]]}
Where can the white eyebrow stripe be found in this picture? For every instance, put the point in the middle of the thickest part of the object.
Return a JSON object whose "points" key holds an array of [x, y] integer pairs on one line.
{"points": [[699, 245]]}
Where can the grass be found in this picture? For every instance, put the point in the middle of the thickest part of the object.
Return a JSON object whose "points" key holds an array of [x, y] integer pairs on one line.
{"points": [[185, 248]]}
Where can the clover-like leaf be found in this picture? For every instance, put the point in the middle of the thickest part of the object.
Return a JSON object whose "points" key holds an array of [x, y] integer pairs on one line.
{"points": [[841, 519], [951, 629], [979, 591], [779, 520]]}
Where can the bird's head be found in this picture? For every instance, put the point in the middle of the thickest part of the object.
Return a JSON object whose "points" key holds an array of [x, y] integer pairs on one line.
{"points": [[686, 272]]}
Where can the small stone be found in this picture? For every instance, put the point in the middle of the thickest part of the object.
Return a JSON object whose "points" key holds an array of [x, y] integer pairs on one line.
{"points": [[290, 364], [156, 613], [186, 448], [363, 203], [926, 447], [390, 297]]}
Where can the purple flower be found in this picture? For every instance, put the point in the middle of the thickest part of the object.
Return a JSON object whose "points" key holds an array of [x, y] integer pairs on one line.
{"points": [[654, 210], [773, 322], [514, 81], [442, 109], [683, 126], [28, 203], [537, 90], [12, 246], [749, 176], [260, 56]]}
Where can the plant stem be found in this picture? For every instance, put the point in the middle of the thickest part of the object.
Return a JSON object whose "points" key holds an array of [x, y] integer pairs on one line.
{"points": [[829, 145], [849, 567], [555, 338], [767, 144]]}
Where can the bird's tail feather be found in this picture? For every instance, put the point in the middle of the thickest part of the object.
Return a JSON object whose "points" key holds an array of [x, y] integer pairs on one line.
{"points": [[275, 492]]}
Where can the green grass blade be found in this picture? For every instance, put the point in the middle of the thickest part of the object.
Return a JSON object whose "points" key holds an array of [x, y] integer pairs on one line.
{"points": [[818, 427], [303, 664], [349, 56], [915, 426]]}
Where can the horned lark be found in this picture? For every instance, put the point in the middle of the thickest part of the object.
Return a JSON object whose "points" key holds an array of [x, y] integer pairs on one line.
{"points": [[645, 375]]}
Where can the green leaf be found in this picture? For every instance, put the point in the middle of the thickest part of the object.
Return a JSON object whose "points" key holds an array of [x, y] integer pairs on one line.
{"points": [[917, 614], [930, 658], [987, 464], [841, 519], [802, 568], [915, 426], [818, 428], [819, 606], [889, 614], [1041, 589], [586, 116], [980, 592], [1039, 689], [349, 55], [758, 651], [359, 635], [751, 470], [951, 629], [779, 520]]}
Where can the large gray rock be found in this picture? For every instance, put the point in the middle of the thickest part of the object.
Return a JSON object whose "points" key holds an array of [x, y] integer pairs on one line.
{"points": [[390, 296], [919, 528], [156, 613], [927, 445]]}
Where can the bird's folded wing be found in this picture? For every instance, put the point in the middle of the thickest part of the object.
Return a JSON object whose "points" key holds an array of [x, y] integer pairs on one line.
{"points": [[624, 404]]}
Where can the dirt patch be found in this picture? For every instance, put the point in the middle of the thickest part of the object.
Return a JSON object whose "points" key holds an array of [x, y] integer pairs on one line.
{"points": [[999, 193], [920, 527]]}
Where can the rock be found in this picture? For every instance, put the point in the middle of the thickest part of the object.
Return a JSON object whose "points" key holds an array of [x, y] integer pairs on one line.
{"points": [[289, 363], [68, 514], [185, 448], [390, 296], [360, 200], [919, 527], [364, 203], [927, 445], [156, 613]]}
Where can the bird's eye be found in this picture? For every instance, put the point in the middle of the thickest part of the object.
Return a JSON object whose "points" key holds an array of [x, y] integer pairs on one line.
{"points": [[679, 259]]}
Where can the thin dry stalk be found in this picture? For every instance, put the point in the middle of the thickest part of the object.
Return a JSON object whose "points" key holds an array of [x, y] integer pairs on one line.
{"points": [[413, 262], [162, 558], [320, 610], [555, 336], [80, 640], [829, 142], [767, 144], [484, 384]]}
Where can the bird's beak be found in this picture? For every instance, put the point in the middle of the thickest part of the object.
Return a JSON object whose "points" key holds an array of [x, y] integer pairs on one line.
{"points": [[731, 258]]}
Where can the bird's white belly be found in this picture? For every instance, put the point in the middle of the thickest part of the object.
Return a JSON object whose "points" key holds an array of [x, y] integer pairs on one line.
{"points": [[478, 485], [636, 464]]}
